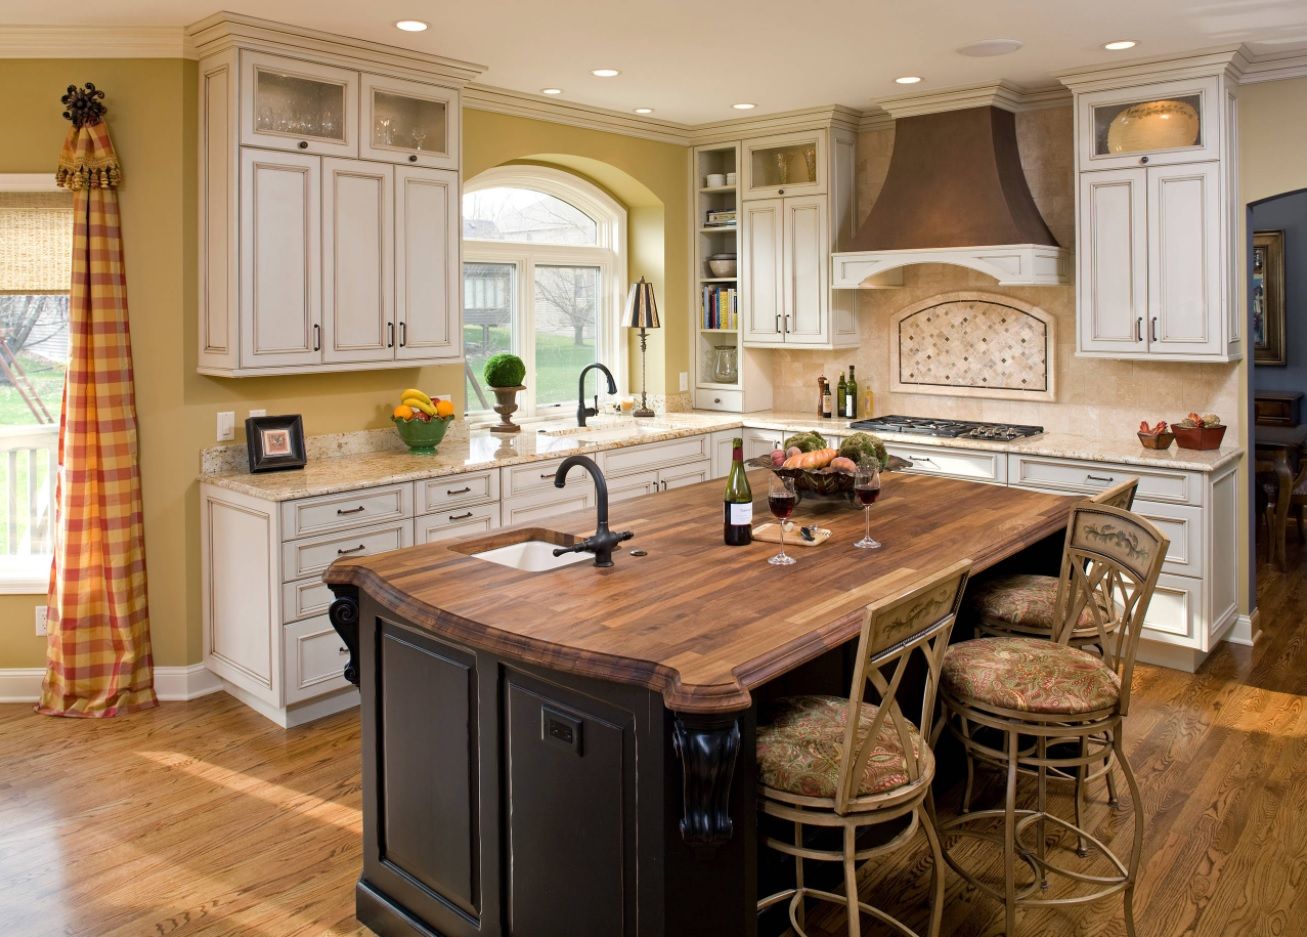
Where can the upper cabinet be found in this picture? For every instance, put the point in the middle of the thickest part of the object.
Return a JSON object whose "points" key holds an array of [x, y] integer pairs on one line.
{"points": [[1156, 213], [329, 204], [790, 164]]}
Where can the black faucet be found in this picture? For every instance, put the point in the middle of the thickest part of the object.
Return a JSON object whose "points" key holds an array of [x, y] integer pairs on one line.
{"points": [[582, 411], [602, 541]]}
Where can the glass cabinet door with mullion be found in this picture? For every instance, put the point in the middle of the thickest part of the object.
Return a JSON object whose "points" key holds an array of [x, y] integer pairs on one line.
{"points": [[789, 164], [304, 107], [409, 122], [1154, 125]]}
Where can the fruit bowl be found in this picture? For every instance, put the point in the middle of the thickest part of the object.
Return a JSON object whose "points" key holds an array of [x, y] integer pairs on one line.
{"points": [[420, 436], [822, 483]]}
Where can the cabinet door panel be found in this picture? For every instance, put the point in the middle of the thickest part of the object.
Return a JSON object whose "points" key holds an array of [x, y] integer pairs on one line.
{"points": [[805, 271], [409, 122], [281, 300], [762, 239], [304, 107], [685, 475], [1112, 260], [1184, 267], [428, 302], [358, 277]]}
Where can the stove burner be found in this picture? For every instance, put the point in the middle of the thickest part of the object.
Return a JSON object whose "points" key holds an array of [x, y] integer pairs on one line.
{"points": [[956, 429]]}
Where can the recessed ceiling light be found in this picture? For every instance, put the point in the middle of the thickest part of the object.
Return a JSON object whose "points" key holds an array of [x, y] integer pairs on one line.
{"points": [[988, 47], [605, 72], [1120, 45], [744, 107], [908, 80], [411, 26], [551, 90], [644, 110]]}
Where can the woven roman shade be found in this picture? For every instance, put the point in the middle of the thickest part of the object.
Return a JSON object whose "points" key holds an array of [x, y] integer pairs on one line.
{"points": [[36, 242]]}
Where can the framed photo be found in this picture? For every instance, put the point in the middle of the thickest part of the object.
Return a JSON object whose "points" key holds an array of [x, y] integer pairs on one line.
{"points": [[1268, 298], [275, 443]]}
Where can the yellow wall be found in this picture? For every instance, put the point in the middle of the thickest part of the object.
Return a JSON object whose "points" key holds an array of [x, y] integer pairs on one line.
{"points": [[152, 120]]}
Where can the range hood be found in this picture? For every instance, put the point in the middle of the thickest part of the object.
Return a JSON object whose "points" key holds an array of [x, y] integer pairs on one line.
{"points": [[955, 194]]}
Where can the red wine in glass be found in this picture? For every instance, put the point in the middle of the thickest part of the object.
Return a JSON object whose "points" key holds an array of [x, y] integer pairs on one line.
{"points": [[867, 496], [782, 507]]}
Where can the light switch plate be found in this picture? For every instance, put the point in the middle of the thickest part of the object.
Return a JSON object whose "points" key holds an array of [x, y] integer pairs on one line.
{"points": [[226, 425], [42, 613], [685, 381]]}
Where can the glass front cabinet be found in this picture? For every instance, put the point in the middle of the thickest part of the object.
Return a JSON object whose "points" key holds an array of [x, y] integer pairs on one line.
{"points": [[300, 106], [409, 122], [790, 164], [1164, 124]]}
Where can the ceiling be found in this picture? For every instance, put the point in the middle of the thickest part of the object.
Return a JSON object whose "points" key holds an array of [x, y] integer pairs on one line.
{"points": [[691, 60]]}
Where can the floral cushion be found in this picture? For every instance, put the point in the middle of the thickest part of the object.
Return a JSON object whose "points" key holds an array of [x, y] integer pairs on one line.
{"points": [[1022, 599], [1028, 675], [800, 745]]}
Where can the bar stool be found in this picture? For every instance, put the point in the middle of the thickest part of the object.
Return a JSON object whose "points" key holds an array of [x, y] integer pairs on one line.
{"points": [[847, 764], [1009, 700]]}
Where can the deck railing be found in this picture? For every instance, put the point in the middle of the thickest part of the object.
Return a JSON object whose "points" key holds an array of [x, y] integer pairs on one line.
{"points": [[28, 461]]}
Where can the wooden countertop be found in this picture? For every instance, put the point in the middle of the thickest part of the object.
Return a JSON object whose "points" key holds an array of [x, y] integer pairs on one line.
{"points": [[698, 621]]}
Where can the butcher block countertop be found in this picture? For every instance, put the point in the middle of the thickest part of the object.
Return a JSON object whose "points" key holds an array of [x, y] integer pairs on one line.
{"points": [[697, 621]]}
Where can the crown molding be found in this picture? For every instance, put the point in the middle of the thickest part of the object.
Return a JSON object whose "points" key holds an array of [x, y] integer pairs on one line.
{"points": [[1001, 94], [1275, 66], [812, 118], [1231, 61], [539, 107], [94, 42], [874, 118]]}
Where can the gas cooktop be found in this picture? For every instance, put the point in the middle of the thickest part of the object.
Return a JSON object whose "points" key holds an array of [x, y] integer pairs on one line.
{"points": [[956, 429]]}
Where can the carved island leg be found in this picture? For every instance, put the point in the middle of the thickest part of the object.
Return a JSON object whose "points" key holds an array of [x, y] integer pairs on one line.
{"points": [[707, 746], [344, 615]]}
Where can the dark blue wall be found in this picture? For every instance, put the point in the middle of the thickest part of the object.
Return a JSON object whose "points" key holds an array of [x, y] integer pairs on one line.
{"points": [[1288, 213]]}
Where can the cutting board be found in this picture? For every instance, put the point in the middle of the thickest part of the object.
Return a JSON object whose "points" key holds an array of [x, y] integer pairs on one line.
{"points": [[770, 533]]}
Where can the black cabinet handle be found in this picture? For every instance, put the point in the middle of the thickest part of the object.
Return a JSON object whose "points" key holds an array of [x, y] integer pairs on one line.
{"points": [[1144, 160], [343, 651], [1101, 478], [780, 191], [413, 158], [547, 475], [317, 337], [1139, 329], [403, 334], [457, 491], [390, 335], [357, 510], [778, 322], [460, 517], [303, 144], [1152, 329], [351, 550]]}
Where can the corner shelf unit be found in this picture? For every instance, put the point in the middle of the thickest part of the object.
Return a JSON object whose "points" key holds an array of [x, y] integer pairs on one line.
{"points": [[720, 336]]}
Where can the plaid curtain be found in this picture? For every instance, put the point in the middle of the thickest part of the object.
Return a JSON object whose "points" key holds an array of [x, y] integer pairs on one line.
{"points": [[98, 659]]}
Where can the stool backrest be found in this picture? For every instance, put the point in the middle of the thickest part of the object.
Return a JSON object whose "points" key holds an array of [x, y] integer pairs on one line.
{"points": [[892, 629], [1119, 496], [1109, 571]]}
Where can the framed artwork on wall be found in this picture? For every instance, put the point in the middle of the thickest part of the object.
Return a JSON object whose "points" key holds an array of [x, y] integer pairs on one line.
{"points": [[275, 443], [1268, 298]]}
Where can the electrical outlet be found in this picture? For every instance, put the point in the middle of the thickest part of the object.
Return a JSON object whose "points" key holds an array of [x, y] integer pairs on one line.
{"points": [[685, 381], [226, 425], [42, 613], [258, 412]]}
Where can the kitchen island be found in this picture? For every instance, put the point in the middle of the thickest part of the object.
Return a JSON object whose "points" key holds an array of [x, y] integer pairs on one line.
{"points": [[570, 751]]}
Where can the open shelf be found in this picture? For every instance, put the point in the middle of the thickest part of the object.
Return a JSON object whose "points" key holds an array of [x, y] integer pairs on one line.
{"points": [[713, 190], [719, 229], [726, 331], [718, 279]]}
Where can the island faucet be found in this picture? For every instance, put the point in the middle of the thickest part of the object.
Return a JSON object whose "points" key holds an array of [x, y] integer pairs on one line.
{"points": [[602, 541], [582, 411]]}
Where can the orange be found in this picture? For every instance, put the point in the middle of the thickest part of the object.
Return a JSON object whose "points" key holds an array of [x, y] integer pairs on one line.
{"points": [[402, 412], [444, 408]]}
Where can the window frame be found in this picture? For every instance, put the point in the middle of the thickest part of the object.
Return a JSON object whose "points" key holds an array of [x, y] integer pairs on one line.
{"points": [[27, 575], [609, 255]]}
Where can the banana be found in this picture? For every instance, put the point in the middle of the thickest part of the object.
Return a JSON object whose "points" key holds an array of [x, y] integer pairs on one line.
{"points": [[416, 404], [416, 395]]}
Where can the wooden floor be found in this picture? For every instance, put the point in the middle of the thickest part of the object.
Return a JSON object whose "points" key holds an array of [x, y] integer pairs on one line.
{"points": [[203, 818]]}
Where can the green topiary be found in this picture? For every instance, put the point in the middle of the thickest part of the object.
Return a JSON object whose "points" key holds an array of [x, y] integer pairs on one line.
{"points": [[504, 370]]}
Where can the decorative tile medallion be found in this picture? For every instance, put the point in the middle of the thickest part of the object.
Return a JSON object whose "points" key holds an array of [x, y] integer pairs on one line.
{"points": [[973, 344]]}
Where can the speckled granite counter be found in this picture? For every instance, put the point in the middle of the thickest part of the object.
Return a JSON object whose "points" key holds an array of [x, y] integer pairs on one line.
{"points": [[481, 449]]}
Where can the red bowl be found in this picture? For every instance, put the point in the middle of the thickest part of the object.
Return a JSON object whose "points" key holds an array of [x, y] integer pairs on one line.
{"points": [[1198, 437], [1157, 440]]}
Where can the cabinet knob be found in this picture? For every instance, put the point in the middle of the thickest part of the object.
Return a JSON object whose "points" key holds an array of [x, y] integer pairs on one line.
{"points": [[413, 158], [717, 400], [780, 191], [1143, 159], [303, 144]]}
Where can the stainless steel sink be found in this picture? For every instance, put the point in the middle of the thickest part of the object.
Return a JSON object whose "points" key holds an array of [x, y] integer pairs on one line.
{"points": [[531, 556]]}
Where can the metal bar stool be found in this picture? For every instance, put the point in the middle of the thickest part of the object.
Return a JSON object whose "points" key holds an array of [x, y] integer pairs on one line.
{"points": [[847, 764], [1019, 703]]}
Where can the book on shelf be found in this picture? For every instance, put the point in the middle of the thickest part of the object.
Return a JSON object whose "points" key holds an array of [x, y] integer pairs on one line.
{"points": [[717, 217], [720, 307]]}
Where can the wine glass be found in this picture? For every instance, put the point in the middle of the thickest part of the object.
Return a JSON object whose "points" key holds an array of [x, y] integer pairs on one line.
{"points": [[866, 487], [781, 498]]}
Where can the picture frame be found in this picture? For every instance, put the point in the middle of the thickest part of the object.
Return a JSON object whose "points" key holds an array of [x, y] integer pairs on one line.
{"points": [[1266, 302], [275, 443]]}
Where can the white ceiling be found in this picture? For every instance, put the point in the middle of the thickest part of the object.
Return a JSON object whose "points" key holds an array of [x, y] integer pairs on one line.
{"points": [[691, 60]]}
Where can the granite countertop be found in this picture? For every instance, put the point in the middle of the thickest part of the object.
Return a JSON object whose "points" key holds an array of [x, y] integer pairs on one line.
{"points": [[482, 450]]}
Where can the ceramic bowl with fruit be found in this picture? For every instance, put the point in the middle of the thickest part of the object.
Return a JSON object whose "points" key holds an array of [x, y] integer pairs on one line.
{"points": [[1199, 432], [822, 470], [422, 422], [1157, 436]]}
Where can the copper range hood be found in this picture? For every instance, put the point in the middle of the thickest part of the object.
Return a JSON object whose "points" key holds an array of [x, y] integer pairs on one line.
{"points": [[955, 194]]}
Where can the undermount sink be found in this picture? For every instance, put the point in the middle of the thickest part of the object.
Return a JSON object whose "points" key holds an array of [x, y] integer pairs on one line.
{"points": [[614, 429], [531, 556]]}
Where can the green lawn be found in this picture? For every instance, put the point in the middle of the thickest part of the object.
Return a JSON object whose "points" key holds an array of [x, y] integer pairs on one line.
{"points": [[558, 363], [49, 382], [16, 532]]}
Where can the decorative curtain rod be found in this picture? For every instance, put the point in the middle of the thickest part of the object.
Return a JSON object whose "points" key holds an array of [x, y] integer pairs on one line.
{"points": [[83, 105]]}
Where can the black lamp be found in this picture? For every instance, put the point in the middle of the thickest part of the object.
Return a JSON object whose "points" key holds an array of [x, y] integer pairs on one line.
{"points": [[642, 313]]}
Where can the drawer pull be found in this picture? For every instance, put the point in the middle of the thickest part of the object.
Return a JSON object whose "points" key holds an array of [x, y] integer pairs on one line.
{"points": [[1101, 478], [923, 458], [357, 510], [343, 651], [351, 550], [457, 491], [460, 517], [547, 475]]}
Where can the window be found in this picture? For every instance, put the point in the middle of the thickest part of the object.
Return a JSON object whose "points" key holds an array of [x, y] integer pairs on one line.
{"points": [[543, 277], [36, 231]]}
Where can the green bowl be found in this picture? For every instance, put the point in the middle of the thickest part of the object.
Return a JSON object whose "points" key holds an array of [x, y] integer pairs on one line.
{"points": [[422, 437]]}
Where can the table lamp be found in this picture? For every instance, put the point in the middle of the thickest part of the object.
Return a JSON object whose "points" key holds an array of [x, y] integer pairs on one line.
{"points": [[642, 313]]}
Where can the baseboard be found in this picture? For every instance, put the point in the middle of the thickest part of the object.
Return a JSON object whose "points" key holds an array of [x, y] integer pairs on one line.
{"points": [[1247, 629], [171, 684], [1172, 656]]}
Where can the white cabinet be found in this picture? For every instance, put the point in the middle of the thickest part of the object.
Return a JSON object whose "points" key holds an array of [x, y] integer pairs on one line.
{"points": [[805, 271], [762, 264], [1111, 251], [1184, 260], [292, 104], [786, 164], [358, 261], [760, 442], [428, 304], [968, 464]]}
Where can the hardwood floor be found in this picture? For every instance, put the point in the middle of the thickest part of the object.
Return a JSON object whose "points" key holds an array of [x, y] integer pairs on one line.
{"points": [[202, 819]]}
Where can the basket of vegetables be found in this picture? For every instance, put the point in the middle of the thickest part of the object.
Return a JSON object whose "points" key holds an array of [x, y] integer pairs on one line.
{"points": [[823, 470]]}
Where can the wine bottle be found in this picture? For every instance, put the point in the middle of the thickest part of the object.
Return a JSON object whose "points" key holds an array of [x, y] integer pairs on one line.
{"points": [[738, 502], [851, 397], [827, 405], [840, 389]]}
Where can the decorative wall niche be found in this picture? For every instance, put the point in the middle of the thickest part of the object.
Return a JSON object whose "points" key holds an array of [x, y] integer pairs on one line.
{"points": [[973, 344]]}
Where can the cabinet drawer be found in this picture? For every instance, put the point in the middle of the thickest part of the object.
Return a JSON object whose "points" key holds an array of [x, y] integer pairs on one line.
{"points": [[1089, 478], [683, 475], [530, 508], [632, 486], [759, 442], [969, 465], [341, 511], [1183, 526], [455, 522], [305, 598], [731, 401], [673, 452], [472, 488], [1174, 610], [311, 557], [536, 477], [314, 659]]}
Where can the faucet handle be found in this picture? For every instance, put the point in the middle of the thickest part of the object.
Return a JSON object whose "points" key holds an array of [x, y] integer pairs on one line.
{"points": [[579, 547], [625, 535]]}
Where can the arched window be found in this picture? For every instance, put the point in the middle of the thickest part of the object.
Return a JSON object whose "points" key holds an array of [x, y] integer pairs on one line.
{"points": [[544, 274]]}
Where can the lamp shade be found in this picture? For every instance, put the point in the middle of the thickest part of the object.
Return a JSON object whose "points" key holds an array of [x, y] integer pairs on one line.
{"points": [[641, 306]]}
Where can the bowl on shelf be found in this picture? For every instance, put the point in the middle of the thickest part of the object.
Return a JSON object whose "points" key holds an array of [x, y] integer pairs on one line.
{"points": [[422, 438], [1157, 440], [722, 268], [1198, 437]]}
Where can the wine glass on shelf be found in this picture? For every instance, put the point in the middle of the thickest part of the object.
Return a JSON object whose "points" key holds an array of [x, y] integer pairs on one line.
{"points": [[781, 498], [866, 487]]}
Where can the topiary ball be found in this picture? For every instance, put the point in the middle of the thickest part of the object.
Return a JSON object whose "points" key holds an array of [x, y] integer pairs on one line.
{"points": [[504, 370]]}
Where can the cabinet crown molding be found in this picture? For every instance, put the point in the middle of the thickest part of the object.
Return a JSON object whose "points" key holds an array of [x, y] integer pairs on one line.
{"points": [[1231, 62], [1001, 94]]}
